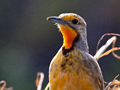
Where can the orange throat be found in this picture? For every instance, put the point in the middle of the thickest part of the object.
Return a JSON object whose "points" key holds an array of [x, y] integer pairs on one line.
{"points": [[69, 35]]}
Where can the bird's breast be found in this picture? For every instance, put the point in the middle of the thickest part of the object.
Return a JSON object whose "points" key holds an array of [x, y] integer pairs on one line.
{"points": [[67, 73]]}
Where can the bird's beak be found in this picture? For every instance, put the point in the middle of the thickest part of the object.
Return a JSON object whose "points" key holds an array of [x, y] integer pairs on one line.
{"points": [[56, 20]]}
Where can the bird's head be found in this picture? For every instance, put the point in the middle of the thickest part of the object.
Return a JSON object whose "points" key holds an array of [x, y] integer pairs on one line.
{"points": [[71, 25]]}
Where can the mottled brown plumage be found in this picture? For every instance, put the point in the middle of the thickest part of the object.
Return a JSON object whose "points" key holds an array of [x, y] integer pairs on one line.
{"points": [[73, 68]]}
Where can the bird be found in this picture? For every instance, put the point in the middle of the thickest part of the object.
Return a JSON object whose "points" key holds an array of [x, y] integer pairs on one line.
{"points": [[73, 68]]}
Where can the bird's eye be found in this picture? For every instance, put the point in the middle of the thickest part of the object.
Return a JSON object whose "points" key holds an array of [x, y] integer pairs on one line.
{"points": [[75, 21]]}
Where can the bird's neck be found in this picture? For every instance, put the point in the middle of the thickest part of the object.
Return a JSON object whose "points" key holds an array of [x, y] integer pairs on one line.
{"points": [[72, 39], [82, 41]]}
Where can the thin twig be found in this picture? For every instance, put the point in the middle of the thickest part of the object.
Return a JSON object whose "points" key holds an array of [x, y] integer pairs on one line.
{"points": [[113, 83], [46, 88], [4, 84], [108, 52], [115, 34], [113, 45], [39, 80], [104, 47], [99, 53]]}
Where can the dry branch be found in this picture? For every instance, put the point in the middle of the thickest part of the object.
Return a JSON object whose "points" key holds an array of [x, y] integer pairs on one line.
{"points": [[113, 85], [39, 80], [4, 86], [104, 47]]}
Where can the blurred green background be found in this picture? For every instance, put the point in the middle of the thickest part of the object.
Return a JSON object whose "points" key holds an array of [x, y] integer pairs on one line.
{"points": [[28, 41]]}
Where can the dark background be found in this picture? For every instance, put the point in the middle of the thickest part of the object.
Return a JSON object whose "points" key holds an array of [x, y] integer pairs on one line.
{"points": [[28, 41]]}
